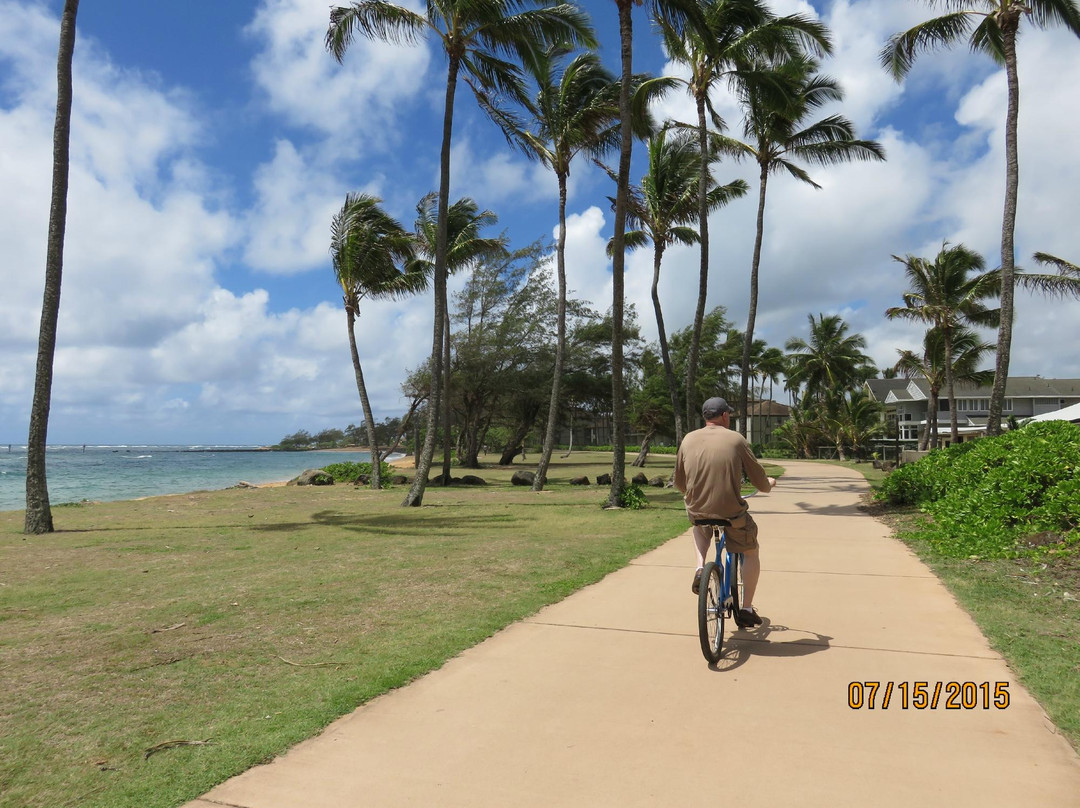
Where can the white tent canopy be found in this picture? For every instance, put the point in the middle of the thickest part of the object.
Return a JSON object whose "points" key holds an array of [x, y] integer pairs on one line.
{"points": [[1071, 413]]}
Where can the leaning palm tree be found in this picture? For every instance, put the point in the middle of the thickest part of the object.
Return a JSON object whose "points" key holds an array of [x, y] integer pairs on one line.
{"points": [[476, 38], [990, 27], [778, 137], [966, 349], [660, 212], [38, 517], [372, 256], [830, 360], [465, 247], [732, 33], [574, 112], [947, 294]]}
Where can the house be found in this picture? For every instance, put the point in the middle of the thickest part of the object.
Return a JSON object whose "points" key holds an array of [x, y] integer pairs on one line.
{"points": [[906, 404], [765, 417]]}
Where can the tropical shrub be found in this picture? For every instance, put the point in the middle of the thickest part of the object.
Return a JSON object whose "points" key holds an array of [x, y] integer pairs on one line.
{"points": [[997, 497], [350, 472]]}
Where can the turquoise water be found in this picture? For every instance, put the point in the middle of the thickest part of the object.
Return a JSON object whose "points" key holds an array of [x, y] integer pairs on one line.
{"points": [[104, 473]]}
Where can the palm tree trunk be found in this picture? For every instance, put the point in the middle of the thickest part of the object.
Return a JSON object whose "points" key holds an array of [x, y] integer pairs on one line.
{"points": [[38, 511], [618, 261], [751, 316], [415, 497], [693, 416], [643, 452], [361, 388], [446, 395], [954, 425], [560, 345], [1009, 27], [665, 354], [935, 399]]}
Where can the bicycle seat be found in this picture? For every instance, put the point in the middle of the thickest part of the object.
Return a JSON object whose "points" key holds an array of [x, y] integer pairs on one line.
{"points": [[713, 522]]}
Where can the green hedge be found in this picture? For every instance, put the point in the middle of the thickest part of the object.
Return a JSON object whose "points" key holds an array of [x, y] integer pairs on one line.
{"points": [[1016, 494]]}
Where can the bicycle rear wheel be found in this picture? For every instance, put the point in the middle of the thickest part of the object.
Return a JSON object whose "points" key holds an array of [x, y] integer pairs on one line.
{"points": [[711, 613]]}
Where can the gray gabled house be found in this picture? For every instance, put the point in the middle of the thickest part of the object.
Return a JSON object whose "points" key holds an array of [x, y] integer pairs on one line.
{"points": [[906, 404]]}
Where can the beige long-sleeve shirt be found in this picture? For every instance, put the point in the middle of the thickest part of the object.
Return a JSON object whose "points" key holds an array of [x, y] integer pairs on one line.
{"points": [[709, 471]]}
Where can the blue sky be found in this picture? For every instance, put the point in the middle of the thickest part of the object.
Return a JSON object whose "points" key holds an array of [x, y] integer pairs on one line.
{"points": [[212, 142]]}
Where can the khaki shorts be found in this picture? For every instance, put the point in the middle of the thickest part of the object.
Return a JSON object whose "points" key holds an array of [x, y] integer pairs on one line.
{"points": [[741, 537]]}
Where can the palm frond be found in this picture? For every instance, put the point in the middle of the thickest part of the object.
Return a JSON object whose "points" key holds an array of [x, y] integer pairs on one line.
{"points": [[373, 19], [899, 54]]}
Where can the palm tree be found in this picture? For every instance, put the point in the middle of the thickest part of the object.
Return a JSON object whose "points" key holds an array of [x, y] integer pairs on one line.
{"points": [[990, 27], [947, 296], [831, 360], [465, 248], [676, 12], [372, 256], [476, 38], [778, 136], [573, 112], [660, 212], [770, 366], [853, 419], [38, 511], [966, 350], [732, 33]]}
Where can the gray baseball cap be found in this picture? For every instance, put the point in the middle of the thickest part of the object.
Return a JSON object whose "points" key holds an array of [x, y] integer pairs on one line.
{"points": [[714, 408]]}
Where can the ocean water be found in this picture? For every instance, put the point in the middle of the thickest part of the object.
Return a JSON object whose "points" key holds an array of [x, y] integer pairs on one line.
{"points": [[104, 473]]}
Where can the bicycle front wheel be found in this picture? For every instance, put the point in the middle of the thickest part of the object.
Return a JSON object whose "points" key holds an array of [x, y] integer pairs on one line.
{"points": [[711, 613]]}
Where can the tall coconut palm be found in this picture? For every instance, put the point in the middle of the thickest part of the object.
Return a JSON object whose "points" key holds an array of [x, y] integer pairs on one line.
{"points": [[830, 360], [947, 294], [989, 27], [372, 256], [38, 517], [966, 350], [676, 12], [477, 38], [575, 111], [465, 247], [733, 34], [778, 137], [660, 212]]}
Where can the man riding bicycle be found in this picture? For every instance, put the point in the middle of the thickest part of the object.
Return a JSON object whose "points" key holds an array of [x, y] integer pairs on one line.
{"points": [[709, 470]]}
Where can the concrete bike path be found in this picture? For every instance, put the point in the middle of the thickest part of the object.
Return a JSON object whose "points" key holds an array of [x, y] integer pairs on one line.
{"points": [[605, 699]]}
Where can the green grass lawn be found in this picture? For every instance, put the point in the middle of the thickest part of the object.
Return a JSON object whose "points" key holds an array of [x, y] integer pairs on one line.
{"points": [[250, 619]]}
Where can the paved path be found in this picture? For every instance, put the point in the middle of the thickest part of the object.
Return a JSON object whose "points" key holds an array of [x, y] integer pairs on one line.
{"points": [[604, 699]]}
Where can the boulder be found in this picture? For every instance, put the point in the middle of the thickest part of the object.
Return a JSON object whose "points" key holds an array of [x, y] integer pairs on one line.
{"points": [[657, 482], [312, 477], [400, 479], [640, 479], [603, 479], [580, 481], [472, 479], [522, 477]]}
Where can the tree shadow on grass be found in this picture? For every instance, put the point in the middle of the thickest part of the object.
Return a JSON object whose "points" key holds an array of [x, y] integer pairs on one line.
{"points": [[404, 523]]}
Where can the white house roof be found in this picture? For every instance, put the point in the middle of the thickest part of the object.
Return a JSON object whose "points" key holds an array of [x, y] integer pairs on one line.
{"points": [[1068, 414]]}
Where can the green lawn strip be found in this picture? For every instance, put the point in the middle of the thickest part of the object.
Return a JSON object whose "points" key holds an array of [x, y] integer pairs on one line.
{"points": [[1028, 609], [252, 618]]}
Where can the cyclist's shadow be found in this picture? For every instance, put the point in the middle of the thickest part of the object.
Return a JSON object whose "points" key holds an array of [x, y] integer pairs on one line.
{"points": [[742, 644]]}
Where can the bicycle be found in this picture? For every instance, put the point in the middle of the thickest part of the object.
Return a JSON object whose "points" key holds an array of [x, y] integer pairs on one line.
{"points": [[720, 591]]}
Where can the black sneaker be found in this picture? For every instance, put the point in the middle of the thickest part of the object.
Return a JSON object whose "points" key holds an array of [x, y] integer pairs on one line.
{"points": [[747, 618], [695, 587]]}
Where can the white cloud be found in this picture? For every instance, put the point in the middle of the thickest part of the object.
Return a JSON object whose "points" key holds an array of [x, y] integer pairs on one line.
{"points": [[355, 103]]}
